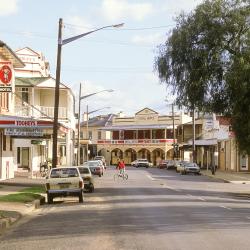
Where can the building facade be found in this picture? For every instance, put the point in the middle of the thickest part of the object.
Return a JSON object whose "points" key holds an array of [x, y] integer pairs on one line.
{"points": [[8, 62], [145, 135]]}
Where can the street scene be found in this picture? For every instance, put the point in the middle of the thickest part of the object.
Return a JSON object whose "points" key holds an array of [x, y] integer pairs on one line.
{"points": [[125, 124], [153, 209]]}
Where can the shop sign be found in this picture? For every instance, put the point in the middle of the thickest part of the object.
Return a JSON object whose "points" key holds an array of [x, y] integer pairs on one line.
{"points": [[6, 77], [23, 132], [38, 142]]}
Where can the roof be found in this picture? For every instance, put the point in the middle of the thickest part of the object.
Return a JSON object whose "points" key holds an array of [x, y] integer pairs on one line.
{"points": [[146, 109], [10, 55], [29, 81], [98, 121]]}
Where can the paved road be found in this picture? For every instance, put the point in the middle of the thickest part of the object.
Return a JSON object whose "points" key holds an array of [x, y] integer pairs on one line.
{"points": [[154, 209]]}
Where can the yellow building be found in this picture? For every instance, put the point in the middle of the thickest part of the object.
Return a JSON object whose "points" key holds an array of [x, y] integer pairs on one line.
{"points": [[145, 135]]}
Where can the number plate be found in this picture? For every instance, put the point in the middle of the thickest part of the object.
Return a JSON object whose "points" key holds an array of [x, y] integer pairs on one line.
{"points": [[62, 186]]}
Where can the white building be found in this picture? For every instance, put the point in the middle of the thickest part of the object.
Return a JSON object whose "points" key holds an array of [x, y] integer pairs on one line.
{"points": [[8, 62]]}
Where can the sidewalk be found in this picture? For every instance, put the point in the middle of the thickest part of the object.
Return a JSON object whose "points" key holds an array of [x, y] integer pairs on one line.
{"points": [[227, 176], [11, 212]]}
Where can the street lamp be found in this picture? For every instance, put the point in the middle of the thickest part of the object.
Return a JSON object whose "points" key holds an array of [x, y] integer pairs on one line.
{"points": [[87, 126], [60, 43], [79, 117]]}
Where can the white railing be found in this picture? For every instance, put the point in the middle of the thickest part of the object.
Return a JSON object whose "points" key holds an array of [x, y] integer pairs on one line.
{"points": [[27, 111], [137, 141]]}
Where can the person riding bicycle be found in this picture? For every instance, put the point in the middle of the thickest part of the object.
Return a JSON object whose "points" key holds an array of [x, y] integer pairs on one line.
{"points": [[121, 167]]}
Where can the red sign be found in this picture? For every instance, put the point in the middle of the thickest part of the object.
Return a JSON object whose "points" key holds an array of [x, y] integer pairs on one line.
{"points": [[5, 74]]}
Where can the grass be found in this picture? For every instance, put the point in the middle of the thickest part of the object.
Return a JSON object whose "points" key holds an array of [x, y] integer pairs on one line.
{"points": [[20, 197], [34, 190]]}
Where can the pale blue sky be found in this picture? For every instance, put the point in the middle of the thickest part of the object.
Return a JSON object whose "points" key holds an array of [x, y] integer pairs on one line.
{"points": [[119, 59]]}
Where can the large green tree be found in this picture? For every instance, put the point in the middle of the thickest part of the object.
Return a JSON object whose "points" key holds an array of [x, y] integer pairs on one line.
{"points": [[206, 62]]}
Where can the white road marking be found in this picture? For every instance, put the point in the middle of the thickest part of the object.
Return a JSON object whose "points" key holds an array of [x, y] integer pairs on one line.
{"points": [[228, 208], [202, 199], [150, 177]]}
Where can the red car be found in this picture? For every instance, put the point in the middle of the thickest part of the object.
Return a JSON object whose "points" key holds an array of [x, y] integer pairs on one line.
{"points": [[163, 164]]}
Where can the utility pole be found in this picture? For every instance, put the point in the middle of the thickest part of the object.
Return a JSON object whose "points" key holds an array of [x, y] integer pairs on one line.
{"points": [[194, 153], [87, 132], [57, 88], [173, 131], [79, 122]]}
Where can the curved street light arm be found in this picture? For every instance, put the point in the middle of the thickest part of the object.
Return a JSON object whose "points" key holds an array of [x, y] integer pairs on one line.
{"points": [[105, 90], [71, 39]]}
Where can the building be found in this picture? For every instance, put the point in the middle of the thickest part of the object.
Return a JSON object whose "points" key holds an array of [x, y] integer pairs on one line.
{"points": [[91, 130], [35, 102], [8, 62], [145, 135], [35, 63]]}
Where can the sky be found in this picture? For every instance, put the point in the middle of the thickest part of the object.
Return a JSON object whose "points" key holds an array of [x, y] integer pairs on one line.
{"points": [[121, 59]]}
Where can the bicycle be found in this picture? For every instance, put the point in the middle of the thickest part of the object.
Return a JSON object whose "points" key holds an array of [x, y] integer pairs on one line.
{"points": [[123, 176]]}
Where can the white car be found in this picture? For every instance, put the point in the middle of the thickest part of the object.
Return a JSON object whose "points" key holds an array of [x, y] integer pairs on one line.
{"points": [[64, 181]]}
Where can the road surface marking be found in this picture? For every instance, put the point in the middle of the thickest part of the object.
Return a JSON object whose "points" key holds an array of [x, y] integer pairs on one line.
{"points": [[202, 199], [150, 177], [228, 208]]}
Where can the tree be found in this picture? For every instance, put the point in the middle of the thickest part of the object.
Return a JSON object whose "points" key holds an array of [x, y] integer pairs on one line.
{"points": [[205, 61]]}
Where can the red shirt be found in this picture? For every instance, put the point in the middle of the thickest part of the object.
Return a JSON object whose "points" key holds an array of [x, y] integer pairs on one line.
{"points": [[121, 165]]}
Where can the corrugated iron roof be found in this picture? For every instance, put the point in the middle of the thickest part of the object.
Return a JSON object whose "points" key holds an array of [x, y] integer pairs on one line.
{"points": [[9, 55]]}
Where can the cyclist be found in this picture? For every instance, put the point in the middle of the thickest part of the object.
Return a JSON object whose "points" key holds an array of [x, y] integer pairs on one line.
{"points": [[121, 167]]}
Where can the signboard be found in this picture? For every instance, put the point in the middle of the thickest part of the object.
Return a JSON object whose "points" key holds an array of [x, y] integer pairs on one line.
{"points": [[38, 142], [6, 77], [23, 132]]}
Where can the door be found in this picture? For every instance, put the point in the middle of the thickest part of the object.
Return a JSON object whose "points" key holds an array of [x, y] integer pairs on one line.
{"points": [[25, 157]]}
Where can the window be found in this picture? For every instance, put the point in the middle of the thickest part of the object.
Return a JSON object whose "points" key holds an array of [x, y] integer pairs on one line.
{"points": [[99, 135], [4, 101], [10, 144], [18, 155], [90, 135]]}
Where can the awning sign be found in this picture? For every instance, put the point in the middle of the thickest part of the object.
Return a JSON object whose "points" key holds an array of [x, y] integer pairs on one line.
{"points": [[23, 132], [6, 76]]}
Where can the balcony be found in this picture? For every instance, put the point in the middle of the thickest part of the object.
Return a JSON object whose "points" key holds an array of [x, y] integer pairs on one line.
{"points": [[27, 111], [136, 141]]}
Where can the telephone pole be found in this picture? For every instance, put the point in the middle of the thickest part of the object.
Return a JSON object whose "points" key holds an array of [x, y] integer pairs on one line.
{"points": [[57, 87]]}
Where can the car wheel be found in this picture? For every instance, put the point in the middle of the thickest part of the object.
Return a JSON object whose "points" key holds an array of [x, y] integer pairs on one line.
{"points": [[100, 175], [81, 197], [49, 199]]}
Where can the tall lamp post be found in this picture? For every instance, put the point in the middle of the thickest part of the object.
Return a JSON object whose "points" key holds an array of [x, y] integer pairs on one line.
{"points": [[79, 117], [60, 43]]}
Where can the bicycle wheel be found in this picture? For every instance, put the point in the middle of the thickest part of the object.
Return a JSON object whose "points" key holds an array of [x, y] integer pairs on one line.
{"points": [[125, 176], [116, 177]]}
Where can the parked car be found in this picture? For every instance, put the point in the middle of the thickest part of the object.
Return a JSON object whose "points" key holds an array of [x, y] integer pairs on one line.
{"points": [[163, 164], [87, 178], [171, 164], [101, 158], [180, 166], [133, 163], [190, 168], [96, 167], [142, 163], [64, 181]]}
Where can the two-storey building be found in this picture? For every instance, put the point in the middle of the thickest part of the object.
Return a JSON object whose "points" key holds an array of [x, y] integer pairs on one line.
{"points": [[145, 135]]}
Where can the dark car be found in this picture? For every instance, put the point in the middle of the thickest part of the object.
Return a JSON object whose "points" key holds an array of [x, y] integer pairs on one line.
{"points": [[163, 164]]}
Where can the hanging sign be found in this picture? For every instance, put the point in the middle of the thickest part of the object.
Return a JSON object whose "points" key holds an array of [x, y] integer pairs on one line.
{"points": [[6, 77]]}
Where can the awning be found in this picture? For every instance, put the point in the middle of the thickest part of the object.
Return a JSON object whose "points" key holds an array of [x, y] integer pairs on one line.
{"points": [[203, 142]]}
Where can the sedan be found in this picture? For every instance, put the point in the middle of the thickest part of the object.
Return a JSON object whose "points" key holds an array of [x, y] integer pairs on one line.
{"points": [[95, 166], [163, 164], [191, 168], [87, 178]]}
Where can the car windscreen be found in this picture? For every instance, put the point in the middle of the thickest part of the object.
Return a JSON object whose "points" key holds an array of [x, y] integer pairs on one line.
{"points": [[83, 170], [64, 173], [93, 163]]}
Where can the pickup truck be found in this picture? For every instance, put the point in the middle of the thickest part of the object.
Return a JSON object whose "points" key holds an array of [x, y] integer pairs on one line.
{"points": [[62, 182]]}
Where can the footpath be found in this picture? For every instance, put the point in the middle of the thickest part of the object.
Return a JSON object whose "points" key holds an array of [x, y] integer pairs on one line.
{"points": [[11, 212]]}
